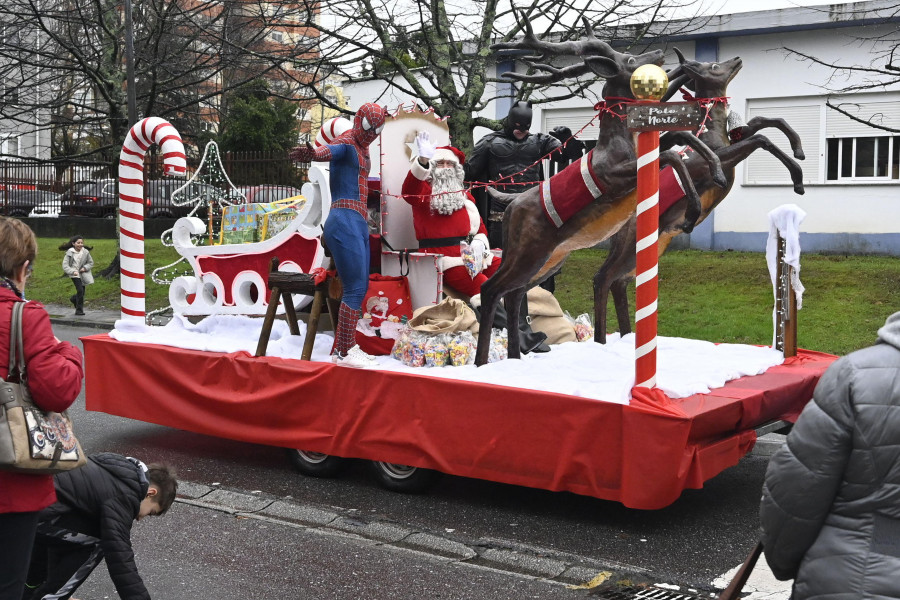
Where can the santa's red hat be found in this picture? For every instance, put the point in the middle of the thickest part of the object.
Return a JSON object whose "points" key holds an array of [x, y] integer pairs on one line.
{"points": [[449, 153]]}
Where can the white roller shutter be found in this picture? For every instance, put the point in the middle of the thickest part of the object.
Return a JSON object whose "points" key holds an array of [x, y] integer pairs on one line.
{"points": [[576, 119], [839, 125], [763, 168]]}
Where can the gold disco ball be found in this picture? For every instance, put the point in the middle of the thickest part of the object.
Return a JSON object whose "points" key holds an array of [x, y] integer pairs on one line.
{"points": [[649, 82]]}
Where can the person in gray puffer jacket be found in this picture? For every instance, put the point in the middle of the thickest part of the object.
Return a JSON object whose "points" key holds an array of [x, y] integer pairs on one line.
{"points": [[830, 509]]}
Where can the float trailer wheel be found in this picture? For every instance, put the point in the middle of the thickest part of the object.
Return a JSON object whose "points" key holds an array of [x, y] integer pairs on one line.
{"points": [[403, 478], [315, 464]]}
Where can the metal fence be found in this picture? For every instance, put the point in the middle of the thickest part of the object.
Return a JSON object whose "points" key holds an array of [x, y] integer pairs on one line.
{"points": [[26, 183]]}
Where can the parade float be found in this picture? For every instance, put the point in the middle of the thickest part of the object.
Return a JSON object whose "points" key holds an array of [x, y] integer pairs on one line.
{"points": [[571, 419]]}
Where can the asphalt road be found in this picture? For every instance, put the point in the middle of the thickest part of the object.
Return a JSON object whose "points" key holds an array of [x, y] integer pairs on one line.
{"points": [[199, 554], [702, 535]]}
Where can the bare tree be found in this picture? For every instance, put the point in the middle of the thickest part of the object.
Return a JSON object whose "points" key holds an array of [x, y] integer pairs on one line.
{"points": [[438, 51], [882, 71], [65, 62]]}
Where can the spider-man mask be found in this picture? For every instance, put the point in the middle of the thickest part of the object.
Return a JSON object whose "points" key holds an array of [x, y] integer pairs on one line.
{"points": [[368, 123]]}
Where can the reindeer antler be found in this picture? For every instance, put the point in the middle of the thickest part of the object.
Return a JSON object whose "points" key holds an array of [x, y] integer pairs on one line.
{"points": [[553, 74], [590, 45], [592, 50]]}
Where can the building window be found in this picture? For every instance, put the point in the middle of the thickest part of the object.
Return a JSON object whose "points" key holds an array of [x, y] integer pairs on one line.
{"points": [[9, 95], [856, 150], [9, 145], [277, 36], [863, 158]]}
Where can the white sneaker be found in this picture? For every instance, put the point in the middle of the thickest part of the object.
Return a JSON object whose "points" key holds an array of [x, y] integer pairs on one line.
{"points": [[355, 358]]}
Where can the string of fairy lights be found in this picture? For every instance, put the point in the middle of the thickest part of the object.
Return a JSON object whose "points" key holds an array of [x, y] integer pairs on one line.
{"points": [[209, 187]]}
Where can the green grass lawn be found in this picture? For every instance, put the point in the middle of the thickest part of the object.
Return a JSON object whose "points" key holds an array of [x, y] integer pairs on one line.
{"points": [[727, 297], [50, 286], [716, 296]]}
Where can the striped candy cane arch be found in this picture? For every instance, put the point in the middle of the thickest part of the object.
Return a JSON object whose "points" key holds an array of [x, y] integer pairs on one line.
{"points": [[144, 134], [646, 283]]}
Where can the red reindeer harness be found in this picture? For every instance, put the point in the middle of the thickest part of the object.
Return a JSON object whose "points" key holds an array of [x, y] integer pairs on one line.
{"points": [[577, 185]]}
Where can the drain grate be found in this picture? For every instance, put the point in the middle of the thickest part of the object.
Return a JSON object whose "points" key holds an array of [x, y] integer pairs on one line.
{"points": [[652, 593]]}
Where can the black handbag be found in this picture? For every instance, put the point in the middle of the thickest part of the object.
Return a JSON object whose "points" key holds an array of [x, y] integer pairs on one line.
{"points": [[31, 440], [733, 591]]}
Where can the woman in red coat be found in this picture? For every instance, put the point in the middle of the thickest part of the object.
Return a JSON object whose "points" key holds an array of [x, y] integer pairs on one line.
{"points": [[54, 379]]}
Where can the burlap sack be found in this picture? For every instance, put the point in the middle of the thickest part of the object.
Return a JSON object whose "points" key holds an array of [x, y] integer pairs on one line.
{"points": [[547, 317], [450, 316]]}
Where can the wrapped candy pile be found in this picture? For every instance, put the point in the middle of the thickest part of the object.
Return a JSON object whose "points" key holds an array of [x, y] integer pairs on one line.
{"points": [[418, 349], [584, 329]]}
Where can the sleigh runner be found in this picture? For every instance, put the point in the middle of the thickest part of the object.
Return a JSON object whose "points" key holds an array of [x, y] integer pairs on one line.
{"points": [[231, 278]]}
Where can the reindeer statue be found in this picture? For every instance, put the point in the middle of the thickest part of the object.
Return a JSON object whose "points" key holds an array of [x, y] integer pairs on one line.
{"points": [[710, 81], [537, 223]]}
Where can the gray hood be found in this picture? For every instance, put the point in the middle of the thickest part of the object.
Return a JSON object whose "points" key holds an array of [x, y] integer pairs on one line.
{"points": [[890, 333]]}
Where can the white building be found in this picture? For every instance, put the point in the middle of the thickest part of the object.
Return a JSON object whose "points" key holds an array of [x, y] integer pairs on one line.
{"points": [[851, 171]]}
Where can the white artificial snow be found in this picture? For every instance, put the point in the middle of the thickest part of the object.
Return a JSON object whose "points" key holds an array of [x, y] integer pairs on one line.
{"points": [[586, 369]]}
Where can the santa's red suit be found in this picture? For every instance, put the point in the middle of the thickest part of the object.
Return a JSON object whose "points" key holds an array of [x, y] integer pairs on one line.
{"points": [[442, 234]]}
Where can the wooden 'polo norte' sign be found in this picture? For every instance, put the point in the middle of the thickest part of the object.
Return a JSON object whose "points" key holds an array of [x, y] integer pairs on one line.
{"points": [[664, 116]]}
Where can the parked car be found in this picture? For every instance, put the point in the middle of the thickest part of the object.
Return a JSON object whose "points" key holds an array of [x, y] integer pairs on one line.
{"points": [[100, 198], [21, 203], [96, 198], [160, 200], [46, 209]]}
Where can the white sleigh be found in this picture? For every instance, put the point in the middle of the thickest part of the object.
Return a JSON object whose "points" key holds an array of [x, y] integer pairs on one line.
{"points": [[231, 278]]}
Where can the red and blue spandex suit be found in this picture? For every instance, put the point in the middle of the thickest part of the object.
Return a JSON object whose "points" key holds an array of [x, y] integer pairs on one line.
{"points": [[346, 232]]}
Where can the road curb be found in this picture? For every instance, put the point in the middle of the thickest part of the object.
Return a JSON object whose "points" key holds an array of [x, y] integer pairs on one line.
{"points": [[491, 553], [768, 444], [74, 321]]}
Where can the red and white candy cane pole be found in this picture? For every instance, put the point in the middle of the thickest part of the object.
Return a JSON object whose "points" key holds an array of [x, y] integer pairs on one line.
{"points": [[646, 284], [144, 134], [648, 83]]}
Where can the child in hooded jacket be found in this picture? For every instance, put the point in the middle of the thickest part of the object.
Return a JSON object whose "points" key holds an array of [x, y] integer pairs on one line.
{"points": [[77, 264], [91, 521]]}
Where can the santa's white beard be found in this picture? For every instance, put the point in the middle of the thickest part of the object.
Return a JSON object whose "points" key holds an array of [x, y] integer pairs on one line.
{"points": [[447, 191]]}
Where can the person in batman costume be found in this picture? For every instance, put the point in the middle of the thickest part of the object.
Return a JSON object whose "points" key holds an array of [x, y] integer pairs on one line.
{"points": [[510, 161]]}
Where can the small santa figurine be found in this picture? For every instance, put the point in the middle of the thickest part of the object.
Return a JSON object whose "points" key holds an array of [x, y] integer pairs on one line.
{"points": [[445, 217]]}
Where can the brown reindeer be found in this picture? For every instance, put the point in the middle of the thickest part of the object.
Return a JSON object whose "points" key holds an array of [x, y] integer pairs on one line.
{"points": [[529, 237], [710, 82]]}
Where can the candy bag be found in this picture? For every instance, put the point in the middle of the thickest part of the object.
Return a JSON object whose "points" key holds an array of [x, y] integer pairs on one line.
{"points": [[584, 329], [436, 351], [469, 259]]}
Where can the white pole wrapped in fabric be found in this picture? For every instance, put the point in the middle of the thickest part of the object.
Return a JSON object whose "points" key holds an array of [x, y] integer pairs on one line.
{"points": [[144, 134]]}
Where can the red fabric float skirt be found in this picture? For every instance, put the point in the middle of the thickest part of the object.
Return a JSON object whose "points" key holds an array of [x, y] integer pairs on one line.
{"points": [[642, 454]]}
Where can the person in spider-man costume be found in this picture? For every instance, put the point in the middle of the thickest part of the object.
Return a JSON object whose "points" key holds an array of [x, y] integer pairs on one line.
{"points": [[346, 232]]}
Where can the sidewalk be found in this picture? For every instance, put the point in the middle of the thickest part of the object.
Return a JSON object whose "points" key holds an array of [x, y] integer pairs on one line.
{"points": [[219, 543], [446, 564], [104, 318]]}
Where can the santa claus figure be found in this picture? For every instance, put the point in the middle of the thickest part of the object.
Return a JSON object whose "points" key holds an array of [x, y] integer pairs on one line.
{"points": [[445, 217]]}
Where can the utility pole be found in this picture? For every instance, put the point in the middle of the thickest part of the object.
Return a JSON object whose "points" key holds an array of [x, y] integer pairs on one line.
{"points": [[129, 66]]}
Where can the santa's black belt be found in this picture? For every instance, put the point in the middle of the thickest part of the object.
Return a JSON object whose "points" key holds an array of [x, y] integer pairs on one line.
{"points": [[442, 242]]}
